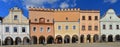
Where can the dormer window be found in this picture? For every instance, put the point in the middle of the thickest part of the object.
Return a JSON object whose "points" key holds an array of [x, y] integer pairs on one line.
{"points": [[15, 17]]}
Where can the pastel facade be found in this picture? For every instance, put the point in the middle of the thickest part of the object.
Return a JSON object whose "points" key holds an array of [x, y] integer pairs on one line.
{"points": [[41, 26], [66, 26], [110, 27], [89, 26], [15, 28]]}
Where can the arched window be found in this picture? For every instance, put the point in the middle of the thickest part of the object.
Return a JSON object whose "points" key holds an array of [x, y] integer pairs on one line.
{"points": [[34, 28], [48, 29], [15, 17], [41, 29]]}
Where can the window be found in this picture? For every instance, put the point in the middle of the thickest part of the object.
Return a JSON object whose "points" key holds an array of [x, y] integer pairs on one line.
{"points": [[35, 19], [83, 17], [89, 27], [96, 17], [34, 28], [66, 27], [15, 17], [104, 27], [110, 27], [74, 27], [41, 29], [59, 27], [48, 29], [47, 20], [117, 26], [66, 18], [23, 29], [15, 29], [96, 27], [89, 18], [7, 29], [83, 27]]}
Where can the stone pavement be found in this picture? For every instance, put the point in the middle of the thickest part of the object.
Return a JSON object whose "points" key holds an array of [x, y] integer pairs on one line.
{"points": [[112, 44]]}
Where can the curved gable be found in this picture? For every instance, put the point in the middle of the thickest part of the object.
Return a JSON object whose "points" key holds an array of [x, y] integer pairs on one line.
{"points": [[110, 16]]}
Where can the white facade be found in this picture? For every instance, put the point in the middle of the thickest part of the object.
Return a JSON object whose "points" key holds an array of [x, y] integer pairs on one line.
{"points": [[110, 25], [15, 25]]}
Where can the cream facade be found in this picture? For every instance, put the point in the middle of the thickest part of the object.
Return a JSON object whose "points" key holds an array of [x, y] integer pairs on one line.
{"points": [[15, 28]]}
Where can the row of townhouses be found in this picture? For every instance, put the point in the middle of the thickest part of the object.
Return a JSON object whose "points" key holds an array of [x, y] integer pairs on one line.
{"points": [[59, 26]]}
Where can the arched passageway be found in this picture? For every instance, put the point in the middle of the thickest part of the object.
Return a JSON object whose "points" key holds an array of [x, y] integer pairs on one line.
{"points": [[59, 39], [26, 40], [95, 38], [8, 41], [17, 40], [50, 40], [74, 39], [82, 38], [41, 40], [103, 38], [67, 39], [88, 38], [117, 38], [34, 40], [110, 38]]}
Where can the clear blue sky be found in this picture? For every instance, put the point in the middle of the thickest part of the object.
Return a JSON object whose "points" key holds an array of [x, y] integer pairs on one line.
{"points": [[102, 5]]}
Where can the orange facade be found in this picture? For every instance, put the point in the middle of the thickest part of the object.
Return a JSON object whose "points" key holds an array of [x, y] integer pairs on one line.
{"points": [[41, 25]]}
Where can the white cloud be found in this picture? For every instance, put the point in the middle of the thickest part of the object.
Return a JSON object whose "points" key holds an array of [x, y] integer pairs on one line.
{"points": [[38, 2], [64, 5], [110, 1]]}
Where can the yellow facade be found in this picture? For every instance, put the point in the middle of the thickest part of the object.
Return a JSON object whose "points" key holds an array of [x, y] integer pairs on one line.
{"points": [[63, 32]]}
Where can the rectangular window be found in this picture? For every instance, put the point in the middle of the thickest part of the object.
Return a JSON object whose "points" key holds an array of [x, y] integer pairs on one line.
{"points": [[110, 27], [23, 29], [7, 29], [15, 17], [83, 17], [96, 17], [15, 29], [117, 26], [89, 27], [89, 18], [104, 27], [83, 27], [59, 27], [96, 27], [66, 27]]}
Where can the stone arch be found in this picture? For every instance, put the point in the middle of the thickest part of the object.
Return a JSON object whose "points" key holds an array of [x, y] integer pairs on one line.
{"points": [[41, 40], [95, 38], [103, 38], [59, 39], [117, 38], [18, 40], [8, 41], [50, 40], [89, 38], [110, 38], [26, 40], [82, 38], [74, 39], [34, 40], [66, 39]]}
